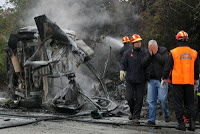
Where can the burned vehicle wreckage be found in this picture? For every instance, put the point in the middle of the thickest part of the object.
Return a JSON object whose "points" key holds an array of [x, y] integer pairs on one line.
{"points": [[38, 61], [41, 73]]}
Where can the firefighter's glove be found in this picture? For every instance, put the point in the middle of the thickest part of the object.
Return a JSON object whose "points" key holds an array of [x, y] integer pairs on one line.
{"points": [[122, 75], [196, 85], [163, 83]]}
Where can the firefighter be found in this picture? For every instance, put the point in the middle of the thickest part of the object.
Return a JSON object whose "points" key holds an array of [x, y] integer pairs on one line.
{"points": [[135, 79], [125, 41], [183, 61]]}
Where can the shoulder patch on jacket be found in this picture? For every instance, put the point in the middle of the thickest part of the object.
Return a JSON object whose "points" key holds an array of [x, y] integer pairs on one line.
{"points": [[131, 55]]}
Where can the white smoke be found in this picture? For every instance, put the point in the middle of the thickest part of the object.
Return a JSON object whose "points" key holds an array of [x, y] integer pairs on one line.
{"points": [[86, 17], [70, 14], [86, 78]]}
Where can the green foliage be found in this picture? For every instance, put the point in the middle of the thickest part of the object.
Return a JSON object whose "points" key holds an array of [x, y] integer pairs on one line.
{"points": [[9, 23], [195, 30], [161, 20], [2, 60]]}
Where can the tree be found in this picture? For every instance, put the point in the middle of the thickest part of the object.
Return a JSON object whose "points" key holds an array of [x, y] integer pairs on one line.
{"points": [[10, 23], [162, 19]]}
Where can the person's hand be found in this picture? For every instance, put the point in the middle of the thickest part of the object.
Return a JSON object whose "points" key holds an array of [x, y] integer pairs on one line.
{"points": [[196, 85], [122, 75], [163, 83], [150, 50], [154, 49]]}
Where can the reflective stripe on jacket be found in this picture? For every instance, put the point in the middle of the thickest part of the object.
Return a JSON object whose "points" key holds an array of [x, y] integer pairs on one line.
{"points": [[183, 69]]}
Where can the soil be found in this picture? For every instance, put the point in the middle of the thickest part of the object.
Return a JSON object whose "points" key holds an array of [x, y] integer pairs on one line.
{"points": [[73, 127]]}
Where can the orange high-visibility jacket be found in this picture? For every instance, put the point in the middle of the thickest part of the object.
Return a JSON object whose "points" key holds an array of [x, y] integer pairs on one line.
{"points": [[183, 70]]}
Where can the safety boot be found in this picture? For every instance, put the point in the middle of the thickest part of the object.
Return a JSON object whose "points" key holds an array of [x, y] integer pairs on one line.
{"points": [[135, 121], [181, 126], [192, 125], [167, 119]]}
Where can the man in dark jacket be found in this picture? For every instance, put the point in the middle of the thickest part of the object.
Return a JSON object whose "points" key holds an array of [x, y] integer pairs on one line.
{"points": [[184, 65], [135, 77], [154, 62], [126, 42]]}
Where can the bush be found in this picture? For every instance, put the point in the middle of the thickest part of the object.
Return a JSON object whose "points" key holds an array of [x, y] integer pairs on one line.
{"points": [[2, 62]]}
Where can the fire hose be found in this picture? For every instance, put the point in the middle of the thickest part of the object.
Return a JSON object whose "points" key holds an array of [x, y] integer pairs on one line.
{"points": [[39, 119]]}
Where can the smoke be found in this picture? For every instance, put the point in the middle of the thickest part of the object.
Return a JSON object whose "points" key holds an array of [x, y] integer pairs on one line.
{"points": [[88, 17], [125, 18], [70, 14], [86, 78], [101, 55]]}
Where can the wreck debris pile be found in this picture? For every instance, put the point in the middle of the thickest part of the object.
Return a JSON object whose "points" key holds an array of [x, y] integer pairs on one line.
{"points": [[46, 58]]}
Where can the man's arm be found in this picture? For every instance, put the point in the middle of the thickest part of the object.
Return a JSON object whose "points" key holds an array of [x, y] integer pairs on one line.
{"points": [[124, 62], [196, 68], [162, 58], [147, 60], [121, 51], [168, 67]]}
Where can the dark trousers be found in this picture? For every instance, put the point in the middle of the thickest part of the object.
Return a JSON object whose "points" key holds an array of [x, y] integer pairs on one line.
{"points": [[198, 104], [134, 96], [183, 95]]}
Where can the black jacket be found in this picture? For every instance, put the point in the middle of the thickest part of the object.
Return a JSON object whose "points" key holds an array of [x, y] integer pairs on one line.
{"points": [[154, 64], [124, 48], [170, 63], [131, 63]]}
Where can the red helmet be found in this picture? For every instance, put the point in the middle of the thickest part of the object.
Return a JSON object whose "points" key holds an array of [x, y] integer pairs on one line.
{"points": [[182, 35], [135, 38], [125, 39]]}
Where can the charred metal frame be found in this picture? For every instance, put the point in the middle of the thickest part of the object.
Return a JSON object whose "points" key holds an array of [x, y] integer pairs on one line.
{"points": [[37, 67]]}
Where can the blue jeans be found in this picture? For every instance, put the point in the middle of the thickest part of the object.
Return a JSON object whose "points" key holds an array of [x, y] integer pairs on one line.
{"points": [[155, 91]]}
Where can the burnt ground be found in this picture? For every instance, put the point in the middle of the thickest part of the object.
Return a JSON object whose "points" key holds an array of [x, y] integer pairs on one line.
{"points": [[47, 121], [77, 125]]}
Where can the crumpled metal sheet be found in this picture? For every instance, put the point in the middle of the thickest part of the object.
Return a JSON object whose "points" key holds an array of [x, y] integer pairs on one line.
{"points": [[68, 98]]}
